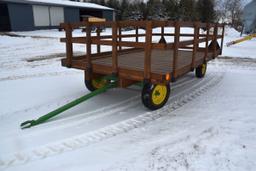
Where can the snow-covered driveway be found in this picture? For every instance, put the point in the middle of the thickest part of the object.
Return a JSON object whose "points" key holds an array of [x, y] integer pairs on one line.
{"points": [[208, 124]]}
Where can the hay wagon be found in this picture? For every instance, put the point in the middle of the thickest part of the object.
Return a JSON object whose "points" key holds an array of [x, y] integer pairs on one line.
{"points": [[147, 54], [135, 57]]}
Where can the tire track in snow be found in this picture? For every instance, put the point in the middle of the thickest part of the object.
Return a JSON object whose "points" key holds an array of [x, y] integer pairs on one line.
{"points": [[86, 139], [232, 63], [109, 110], [175, 160], [181, 82], [17, 77]]}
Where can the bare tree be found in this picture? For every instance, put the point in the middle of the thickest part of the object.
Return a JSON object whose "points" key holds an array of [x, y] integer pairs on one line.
{"points": [[229, 11], [235, 8]]}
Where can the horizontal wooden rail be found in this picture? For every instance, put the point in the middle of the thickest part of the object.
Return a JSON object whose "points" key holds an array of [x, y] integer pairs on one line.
{"points": [[83, 24], [103, 24], [131, 44], [159, 46], [181, 35], [131, 35], [190, 42], [156, 23], [122, 36], [186, 24], [138, 24], [82, 40]]}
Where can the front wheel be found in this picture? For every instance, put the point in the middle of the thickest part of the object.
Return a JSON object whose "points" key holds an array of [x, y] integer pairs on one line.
{"points": [[155, 96], [201, 70], [95, 83]]}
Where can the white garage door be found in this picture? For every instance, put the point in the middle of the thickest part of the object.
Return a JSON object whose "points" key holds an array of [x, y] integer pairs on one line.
{"points": [[56, 15], [48, 16], [41, 15]]}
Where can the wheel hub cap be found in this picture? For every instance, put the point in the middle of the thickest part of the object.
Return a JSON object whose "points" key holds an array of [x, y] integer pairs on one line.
{"points": [[159, 94], [99, 83]]}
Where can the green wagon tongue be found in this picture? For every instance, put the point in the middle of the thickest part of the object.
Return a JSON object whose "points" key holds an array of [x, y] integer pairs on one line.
{"points": [[44, 118], [28, 124]]}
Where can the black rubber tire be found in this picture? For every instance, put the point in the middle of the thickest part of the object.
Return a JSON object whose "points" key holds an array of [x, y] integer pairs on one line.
{"points": [[89, 86], [146, 96], [200, 72]]}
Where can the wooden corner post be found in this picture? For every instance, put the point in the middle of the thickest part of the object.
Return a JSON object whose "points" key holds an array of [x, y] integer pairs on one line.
{"points": [[114, 48], [119, 37], [69, 45], [162, 31], [222, 38], [215, 34], [136, 34], [98, 37], [195, 44], [206, 42], [175, 49], [88, 51], [147, 48]]}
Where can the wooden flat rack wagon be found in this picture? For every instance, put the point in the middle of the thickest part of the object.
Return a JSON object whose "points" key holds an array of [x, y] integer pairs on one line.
{"points": [[149, 54], [137, 58]]}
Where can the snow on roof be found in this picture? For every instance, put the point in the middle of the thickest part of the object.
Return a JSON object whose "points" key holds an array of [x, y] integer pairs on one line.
{"points": [[63, 3]]}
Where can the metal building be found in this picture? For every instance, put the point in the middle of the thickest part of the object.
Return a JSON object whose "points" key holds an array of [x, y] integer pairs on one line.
{"points": [[249, 17], [26, 15]]}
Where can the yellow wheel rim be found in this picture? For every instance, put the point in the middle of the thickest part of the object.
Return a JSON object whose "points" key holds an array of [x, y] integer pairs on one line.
{"points": [[159, 94], [99, 83], [203, 69]]}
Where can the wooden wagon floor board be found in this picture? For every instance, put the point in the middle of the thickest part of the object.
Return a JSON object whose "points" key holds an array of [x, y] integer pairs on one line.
{"points": [[161, 60]]}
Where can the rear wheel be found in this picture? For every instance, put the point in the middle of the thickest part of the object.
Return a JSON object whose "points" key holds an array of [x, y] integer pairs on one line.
{"points": [[201, 70], [155, 96], [95, 83]]}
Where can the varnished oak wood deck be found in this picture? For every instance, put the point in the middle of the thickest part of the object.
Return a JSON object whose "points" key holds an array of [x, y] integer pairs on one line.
{"points": [[131, 63], [161, 60]]}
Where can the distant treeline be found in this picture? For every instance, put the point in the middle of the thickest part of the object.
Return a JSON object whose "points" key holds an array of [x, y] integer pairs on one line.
{"points": [[186, 10]]}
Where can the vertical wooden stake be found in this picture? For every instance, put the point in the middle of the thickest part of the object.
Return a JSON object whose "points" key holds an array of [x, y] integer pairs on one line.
{"points": [[162, 31], [88, 51], [176, 49], [98, 37], [69, 45], [136, 33], [114, 48], [120, 37], [222, 38], [147, 57], [206, 42], [195, 43], [215, 40]]}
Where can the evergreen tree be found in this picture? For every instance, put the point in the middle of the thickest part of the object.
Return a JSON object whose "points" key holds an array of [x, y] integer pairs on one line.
{"points": [[187, 10], [143, 10], [171, 9], [205, 10], [155, 9], [150, 8], [124, 10], [115, 5], [101, 2]]}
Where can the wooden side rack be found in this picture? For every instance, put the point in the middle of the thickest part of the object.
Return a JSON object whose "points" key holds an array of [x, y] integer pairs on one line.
{"points": [[140, 58]]}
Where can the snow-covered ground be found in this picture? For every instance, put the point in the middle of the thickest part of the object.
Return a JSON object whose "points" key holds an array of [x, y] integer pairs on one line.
{"points": [[245, 49], [207, 124]]}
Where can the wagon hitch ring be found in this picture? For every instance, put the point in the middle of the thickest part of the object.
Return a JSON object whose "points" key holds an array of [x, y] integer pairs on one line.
{"points": [[28, 124]]}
